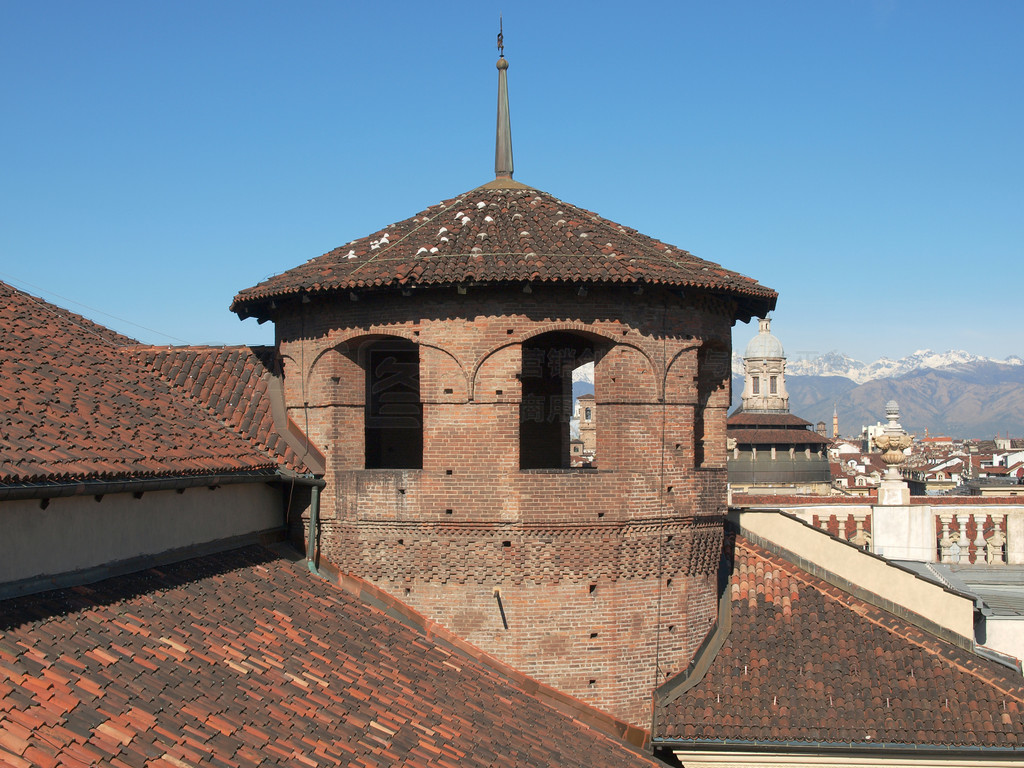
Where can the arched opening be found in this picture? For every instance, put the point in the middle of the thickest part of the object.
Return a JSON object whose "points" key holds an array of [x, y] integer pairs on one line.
{"points": [[712, 378], [546, 407], [393, 419]]}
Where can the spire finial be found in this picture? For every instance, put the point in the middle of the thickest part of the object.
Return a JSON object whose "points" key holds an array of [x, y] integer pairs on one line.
{"points": [[503, 140]]}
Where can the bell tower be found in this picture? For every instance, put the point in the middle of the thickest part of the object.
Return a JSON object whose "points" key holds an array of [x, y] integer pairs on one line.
{"points": [[432, 362], [764, 364]]}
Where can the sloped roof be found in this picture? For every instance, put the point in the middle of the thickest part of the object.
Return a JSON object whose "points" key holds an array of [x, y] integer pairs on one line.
{"points": [[235, 383], [780, 420], [806, 662], [77, 404], [782, 428], [245, 659], [777, 437], [503, 232]]}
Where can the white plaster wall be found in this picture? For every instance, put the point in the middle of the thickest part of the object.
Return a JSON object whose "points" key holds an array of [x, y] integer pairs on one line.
{"points": [[78, 532], [1005, 634], [1015, 537], [904, 533], [781, 758]]}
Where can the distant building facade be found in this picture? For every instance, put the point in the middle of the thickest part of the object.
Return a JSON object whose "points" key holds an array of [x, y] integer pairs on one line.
{"points": [[771, 449], [585, 414]]}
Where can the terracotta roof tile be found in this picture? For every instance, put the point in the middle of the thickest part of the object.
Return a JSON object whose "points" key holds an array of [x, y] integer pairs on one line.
{"points": [[500, 233], [776, 420], [74, 405], [234, 382], [244, 658], [764, 436], [806, 661]]}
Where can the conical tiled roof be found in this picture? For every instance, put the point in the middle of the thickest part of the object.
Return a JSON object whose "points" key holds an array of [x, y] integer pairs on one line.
{"points": [[504, 232]]}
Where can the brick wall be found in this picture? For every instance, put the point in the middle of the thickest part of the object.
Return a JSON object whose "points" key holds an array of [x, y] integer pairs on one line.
{"points": [[605, 576]]}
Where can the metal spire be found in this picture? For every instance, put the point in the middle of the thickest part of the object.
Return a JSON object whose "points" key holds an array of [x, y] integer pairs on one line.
{"points": [[503, 140]]}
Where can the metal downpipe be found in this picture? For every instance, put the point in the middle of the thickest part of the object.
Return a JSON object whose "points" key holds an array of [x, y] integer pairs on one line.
{"points": [[314, 528]]}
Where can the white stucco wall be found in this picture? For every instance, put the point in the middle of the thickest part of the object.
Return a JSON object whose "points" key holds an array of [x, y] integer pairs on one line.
{"points": [[904, 533], [1005, 634], [78, 532]]}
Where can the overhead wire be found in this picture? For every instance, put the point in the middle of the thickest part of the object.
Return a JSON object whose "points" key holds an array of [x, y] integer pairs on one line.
{"points": [[17, 283]]}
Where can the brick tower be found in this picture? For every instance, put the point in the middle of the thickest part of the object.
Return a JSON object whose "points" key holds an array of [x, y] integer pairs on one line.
{"points": [[431, 362]]}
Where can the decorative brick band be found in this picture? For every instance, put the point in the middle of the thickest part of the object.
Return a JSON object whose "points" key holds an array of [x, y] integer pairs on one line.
{"points": [[489, 554]]}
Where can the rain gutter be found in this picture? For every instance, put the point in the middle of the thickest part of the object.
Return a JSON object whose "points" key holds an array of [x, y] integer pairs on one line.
{"points": [[314, 484], [138, 486], [59, 489]]}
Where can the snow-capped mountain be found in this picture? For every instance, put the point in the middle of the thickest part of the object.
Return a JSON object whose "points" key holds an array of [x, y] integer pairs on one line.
{"points": [[585, 374], [954, 393], [838, 364]]}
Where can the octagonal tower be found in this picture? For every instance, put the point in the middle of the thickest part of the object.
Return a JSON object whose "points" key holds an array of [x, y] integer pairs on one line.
{"points": [[431, 362]]}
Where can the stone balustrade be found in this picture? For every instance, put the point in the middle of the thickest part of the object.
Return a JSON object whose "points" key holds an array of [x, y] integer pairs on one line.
{"points": [[930, 529]]}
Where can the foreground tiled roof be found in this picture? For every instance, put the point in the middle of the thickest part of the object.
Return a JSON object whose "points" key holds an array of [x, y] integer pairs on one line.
{"points": [[245, 659], [74, 405], [503, 232], [234, 382], [807, 662]]}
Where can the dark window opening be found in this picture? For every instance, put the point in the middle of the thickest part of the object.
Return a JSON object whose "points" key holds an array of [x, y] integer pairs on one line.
{"points": [[394, 412], [546, 407], [756, 385], [712, 376], [773, 385]]}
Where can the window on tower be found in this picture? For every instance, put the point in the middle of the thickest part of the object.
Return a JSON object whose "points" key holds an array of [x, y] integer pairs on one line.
{"points": [[394, 413], [546, 408]]}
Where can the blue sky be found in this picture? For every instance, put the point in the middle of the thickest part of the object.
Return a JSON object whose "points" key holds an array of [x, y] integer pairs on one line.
{"points": [[864, 159]]}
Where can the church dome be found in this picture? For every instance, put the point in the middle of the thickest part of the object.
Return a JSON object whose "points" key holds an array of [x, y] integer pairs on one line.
{"points": [[764, 344]]}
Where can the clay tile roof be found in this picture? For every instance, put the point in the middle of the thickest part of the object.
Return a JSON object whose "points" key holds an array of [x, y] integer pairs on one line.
{"points": [[749, 428], [502, 232], [76, 404], [244, 659], [807, 662], [775, 420], [234, 382], [777, 437]]}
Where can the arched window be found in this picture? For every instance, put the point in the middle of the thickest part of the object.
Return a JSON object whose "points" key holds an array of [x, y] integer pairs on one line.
{"points": [[393, 419], [712, 378], [586, 414], [547, 401]]}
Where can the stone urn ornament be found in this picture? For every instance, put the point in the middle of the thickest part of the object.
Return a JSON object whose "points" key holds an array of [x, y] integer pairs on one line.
{"points": [[893, 441]]}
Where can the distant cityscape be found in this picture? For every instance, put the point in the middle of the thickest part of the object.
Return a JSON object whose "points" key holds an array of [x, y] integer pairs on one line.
{"points": [[964, 411]]}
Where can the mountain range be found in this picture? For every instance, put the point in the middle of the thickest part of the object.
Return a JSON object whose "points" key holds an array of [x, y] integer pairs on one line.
{"points": [[953, 393]]}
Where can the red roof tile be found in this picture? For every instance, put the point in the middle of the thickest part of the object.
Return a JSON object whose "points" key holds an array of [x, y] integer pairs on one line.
{"points": [[75, 405], [246, 659], [503, 232], [234, 382], [807, 662], [776, 437], [776, 420]]}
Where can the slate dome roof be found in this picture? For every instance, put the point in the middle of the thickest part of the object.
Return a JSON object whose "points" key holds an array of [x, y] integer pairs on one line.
{"points": [[765, 344], [502, 232]]}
